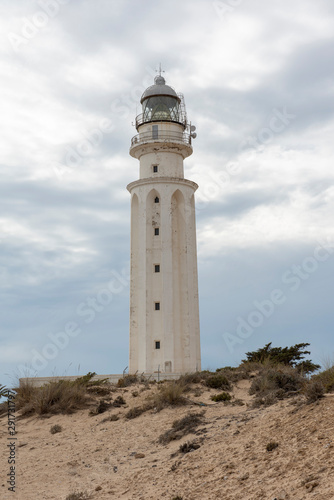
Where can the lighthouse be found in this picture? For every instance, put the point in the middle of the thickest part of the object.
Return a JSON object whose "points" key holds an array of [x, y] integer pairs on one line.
{"points": [[164, 309]]}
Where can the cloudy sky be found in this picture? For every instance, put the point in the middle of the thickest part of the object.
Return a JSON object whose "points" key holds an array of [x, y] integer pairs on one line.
{"points": [[258, 80]]}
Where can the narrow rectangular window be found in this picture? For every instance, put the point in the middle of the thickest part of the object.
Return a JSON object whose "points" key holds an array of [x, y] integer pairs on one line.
{"points": [[156, 199], [156, 231], [155, 168], [155, 132], [157, 344], [157, 268], [157, 306]]}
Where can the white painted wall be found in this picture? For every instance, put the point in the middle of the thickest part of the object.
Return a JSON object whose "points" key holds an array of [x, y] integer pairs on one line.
{"points": [[175, 287]]}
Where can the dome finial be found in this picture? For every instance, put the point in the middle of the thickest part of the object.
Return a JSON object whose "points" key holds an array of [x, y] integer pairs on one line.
{"points": [[159, 79]]}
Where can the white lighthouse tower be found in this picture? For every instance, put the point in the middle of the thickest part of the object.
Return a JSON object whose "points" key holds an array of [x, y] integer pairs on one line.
{"points": [[164, 314]]}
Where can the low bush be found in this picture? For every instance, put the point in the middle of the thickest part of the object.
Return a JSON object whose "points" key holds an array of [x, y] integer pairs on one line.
{"points": [[326, 378], [313, 391], [127, 380], [276, 383], [223, 396], [271, 446], [180, 428], [234, 374], [218, 381], [136, 411], [188, 447], [101, 407], [119, 401], [83, 495], [55, 429]]}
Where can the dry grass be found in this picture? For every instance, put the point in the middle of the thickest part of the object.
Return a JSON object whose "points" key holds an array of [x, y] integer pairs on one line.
{"points": [[168, 394], [55, 397]]}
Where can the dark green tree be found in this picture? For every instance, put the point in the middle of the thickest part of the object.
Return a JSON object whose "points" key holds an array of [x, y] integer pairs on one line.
{"points": [[291, 356]]}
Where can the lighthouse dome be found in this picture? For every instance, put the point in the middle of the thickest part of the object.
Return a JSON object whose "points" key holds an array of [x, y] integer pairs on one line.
{"points": [[159, 89]]}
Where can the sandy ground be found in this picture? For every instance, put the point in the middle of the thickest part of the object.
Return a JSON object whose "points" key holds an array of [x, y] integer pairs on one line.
{"points": [[232, 462]]}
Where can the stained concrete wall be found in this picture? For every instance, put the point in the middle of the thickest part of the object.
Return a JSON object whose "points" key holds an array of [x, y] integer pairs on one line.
{"points": [[163, 200]]}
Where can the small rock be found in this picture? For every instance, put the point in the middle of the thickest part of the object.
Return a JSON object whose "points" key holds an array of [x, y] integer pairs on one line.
{"points": [[244, 477], [98, 488], [139, 455]]}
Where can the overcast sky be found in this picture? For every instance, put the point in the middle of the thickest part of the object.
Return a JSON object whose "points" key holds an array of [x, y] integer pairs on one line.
{"points": [[258, 80]]}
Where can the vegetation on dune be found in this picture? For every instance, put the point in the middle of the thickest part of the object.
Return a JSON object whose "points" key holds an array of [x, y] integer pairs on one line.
{"points": [[326, 378], [290, 356], [276, 373], [182, 427]]}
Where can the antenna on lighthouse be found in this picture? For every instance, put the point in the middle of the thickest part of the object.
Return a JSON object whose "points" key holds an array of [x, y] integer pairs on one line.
{"points": [[159, 70]]}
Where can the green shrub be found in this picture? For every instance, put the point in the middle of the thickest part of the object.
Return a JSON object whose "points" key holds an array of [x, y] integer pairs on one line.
{"points": [[223, 396], [218, 381]]}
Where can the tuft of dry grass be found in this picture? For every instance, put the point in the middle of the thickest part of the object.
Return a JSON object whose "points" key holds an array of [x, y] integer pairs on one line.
{"points": [[168, 394], [56, 397]]}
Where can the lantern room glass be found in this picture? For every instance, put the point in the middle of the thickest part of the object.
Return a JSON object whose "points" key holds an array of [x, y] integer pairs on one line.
{"points": [[163, 108]]}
